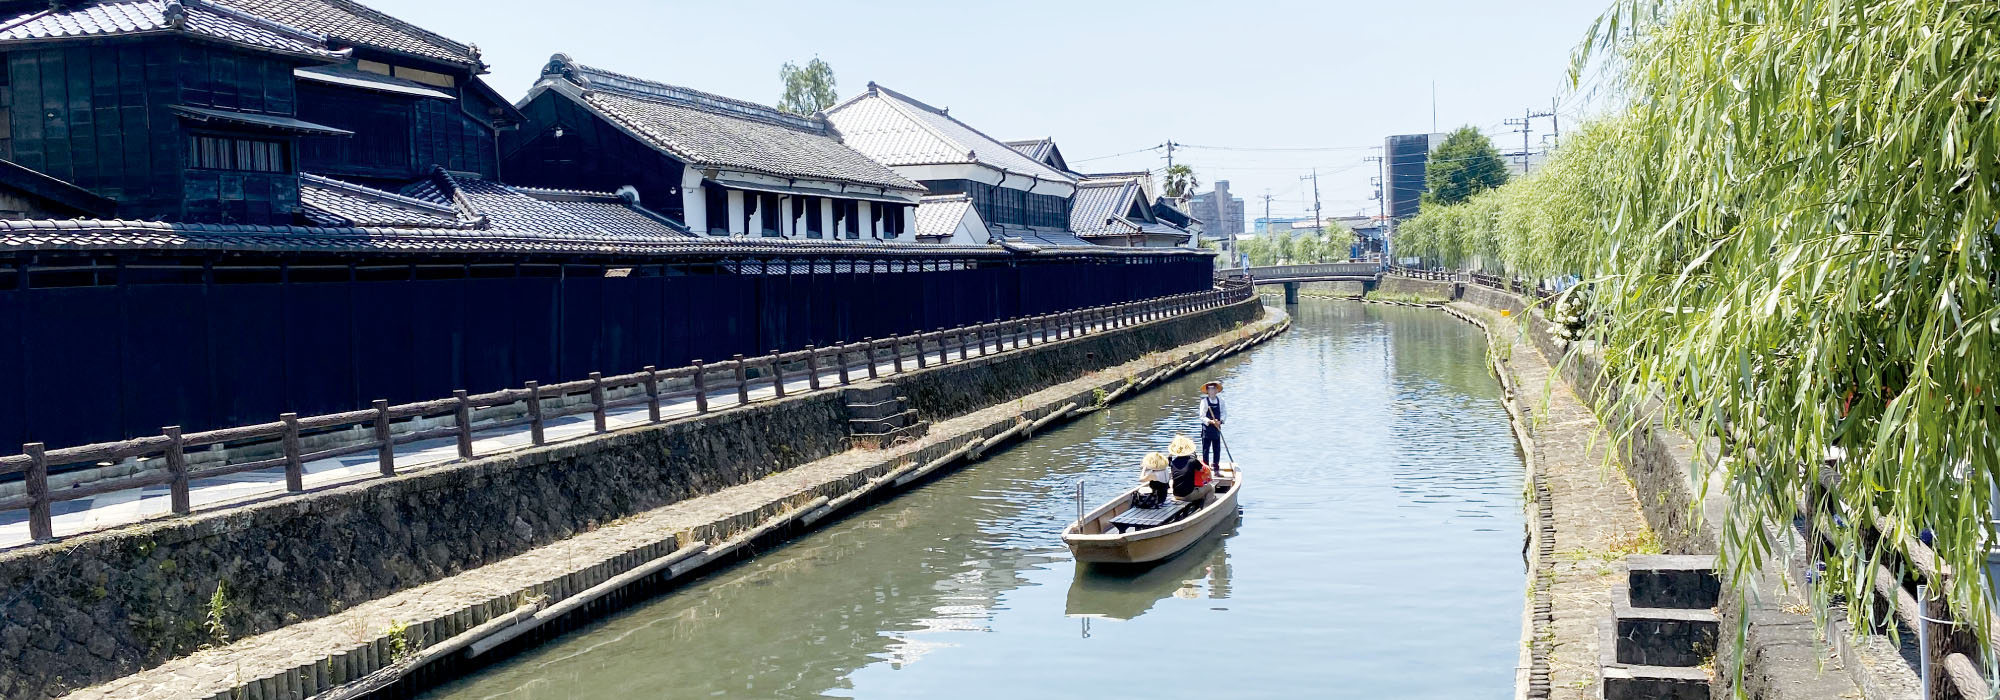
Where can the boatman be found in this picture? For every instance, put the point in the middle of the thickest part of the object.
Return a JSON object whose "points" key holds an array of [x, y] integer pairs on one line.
{"points": [[1210, 411]]}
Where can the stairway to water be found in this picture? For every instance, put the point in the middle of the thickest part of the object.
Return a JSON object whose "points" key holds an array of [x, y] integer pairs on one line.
{"points": [[1660, 641]]}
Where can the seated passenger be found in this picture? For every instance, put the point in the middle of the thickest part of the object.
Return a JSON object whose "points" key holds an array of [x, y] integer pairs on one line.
{"points": [[1189, 482], [1155, 474]]}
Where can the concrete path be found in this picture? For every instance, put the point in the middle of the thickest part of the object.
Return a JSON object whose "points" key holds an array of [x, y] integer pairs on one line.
{"points": [[1596, 514], [122, 507]]}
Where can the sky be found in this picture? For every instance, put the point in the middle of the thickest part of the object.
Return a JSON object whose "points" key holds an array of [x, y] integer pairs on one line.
{"points": [[1107, 79]]}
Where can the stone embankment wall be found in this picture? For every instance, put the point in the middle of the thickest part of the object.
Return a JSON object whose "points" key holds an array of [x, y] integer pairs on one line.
{"points": [[1393, 284], [99, 606]]}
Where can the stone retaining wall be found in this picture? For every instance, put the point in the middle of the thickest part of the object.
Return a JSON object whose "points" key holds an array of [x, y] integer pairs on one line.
{"points": [[1397, 284], [98, 606]]}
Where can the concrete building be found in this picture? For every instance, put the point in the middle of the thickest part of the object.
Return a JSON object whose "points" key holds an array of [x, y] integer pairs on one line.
{"points": [[1221, 211]]}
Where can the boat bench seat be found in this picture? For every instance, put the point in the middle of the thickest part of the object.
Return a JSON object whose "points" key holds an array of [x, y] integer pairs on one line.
{"points": [[1142, 518]]}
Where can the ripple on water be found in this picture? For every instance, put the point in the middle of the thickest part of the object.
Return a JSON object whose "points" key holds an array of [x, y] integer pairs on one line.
{"points": [[1377, 555]]}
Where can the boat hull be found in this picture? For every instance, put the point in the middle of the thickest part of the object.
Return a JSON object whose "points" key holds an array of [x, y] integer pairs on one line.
{"points": [[1090, 545]]}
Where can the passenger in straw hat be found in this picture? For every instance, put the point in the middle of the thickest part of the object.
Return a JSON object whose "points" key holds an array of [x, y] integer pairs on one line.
{"points": [[1210, 413], [1155, 474], [1190, 484]]}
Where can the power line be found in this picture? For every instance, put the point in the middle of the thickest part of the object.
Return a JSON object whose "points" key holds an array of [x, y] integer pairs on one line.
{"points": [[1116, 155]]}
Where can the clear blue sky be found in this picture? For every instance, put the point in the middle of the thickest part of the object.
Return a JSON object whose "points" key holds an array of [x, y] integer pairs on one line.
{"points": [[1101, 77]]}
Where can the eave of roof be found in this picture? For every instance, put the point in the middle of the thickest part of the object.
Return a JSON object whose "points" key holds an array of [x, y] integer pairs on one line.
{"points": [[42, 185], [264, 121]]}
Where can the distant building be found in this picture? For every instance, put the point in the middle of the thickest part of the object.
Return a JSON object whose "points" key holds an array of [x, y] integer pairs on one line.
{"points": [[1223, 213], [1277, 224], [1404, 158]]}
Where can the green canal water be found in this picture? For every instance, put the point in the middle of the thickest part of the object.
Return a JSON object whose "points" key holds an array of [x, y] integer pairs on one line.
{"points": [[1377, 555]]}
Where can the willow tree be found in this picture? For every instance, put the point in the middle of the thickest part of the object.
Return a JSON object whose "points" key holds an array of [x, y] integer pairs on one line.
{"points": [[1791, 226]]}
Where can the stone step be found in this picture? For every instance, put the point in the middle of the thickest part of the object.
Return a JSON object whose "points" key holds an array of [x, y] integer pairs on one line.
{"points": [[1654, 683], [1663, 636], [884, 409], [860, 426], [869, 393], [1685, 582], [876, 441]]}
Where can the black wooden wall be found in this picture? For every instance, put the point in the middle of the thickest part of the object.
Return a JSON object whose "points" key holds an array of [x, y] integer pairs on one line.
{"points": [[123, 351], [98, 115], [396, 138], [590, 155]]}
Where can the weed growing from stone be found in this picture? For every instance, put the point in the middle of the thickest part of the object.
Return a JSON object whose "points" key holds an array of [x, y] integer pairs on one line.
{"points": [[218, 611]]}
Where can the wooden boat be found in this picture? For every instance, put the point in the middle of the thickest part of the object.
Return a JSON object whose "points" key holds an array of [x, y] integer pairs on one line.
{"points": [[1096, 539]]}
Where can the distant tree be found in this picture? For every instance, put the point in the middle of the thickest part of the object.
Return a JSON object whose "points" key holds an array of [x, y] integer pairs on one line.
{"points": [[1465, 165], [1181, 182], [809, 89]]}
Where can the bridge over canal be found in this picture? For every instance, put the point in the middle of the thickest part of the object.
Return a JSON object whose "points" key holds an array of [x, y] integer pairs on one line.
{"points": [[1291, 276]]}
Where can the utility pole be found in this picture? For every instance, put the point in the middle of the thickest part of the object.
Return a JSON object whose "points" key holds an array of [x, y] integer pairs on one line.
{"points": [[1267, 211], [1381, 201], [1526, 122], [1555, 122], [1318, 226]]}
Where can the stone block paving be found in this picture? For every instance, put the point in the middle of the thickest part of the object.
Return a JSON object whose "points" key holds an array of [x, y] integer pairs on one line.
{"points": [[1593, 509]]}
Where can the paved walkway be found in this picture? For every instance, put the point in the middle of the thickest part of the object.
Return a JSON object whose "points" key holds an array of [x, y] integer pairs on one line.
{"points": [[1597, 517], [123, 507]]}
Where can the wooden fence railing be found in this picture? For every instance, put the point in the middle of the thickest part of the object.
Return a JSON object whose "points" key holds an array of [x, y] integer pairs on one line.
{"points": [[698, 380]]}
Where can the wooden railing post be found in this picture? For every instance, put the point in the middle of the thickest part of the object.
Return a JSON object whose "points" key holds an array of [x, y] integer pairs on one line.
{"points": [[652, 393], [177, 468], [40, 525], [896, 349], [922, 361], [868, 350], [980, 333], [461, 412], [840, 358], [535, 422], [597, 401], [742, 381], [962, 347], [777, 374], [812, 368], [385, 445], [700, 388], [295, 470]]}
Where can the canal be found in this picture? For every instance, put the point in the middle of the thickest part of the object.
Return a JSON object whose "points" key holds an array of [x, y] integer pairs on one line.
{"points": [[1378, 554]]}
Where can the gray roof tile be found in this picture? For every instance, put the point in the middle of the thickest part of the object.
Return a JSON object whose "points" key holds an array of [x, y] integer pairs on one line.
{"points": [[355, 23], [111, 17], [893, 128], [938, 215], [329, 202], [707, 130]]}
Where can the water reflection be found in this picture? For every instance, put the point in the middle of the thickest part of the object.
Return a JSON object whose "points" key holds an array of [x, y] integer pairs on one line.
{"points": [[1377, 555], [1202, 572]]}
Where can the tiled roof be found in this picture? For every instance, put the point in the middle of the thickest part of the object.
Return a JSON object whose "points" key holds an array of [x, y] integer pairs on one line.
{"points": [[938, 215], [895, 129], [608, 212], [711, 131], [559, 212], [1100, 207], [329, 202], [111, 17], [354, 23], [1038, 236], [96, 234], [1037, 149]]}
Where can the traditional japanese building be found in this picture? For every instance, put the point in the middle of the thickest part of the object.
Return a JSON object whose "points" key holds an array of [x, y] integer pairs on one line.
{"points": [[725, 167], [208, 110], [1020, 199], [1118, 209]]}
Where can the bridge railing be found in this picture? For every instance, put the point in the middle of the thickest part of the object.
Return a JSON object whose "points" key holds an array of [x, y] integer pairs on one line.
{"points": [[1347, 269], [540, 403]]}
